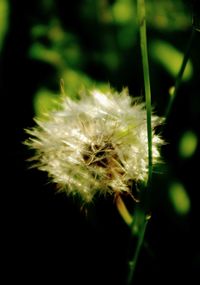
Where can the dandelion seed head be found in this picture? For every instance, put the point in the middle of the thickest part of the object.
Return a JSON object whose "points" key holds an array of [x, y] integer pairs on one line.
{"points": [[96, 145]]}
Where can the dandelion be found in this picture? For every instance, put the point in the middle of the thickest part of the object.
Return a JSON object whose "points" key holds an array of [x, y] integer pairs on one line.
{"points": [[95, 145]]}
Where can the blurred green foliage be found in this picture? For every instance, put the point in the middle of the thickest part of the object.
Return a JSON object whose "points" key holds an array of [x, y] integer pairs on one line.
{"points": [[4, 20], [62, 48], [188, 144], [45, 101], [167, 15], [179, 198], [123, 11], [116, 21], [170, 58]]}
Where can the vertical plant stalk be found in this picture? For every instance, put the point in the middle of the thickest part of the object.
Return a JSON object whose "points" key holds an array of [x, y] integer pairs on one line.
{"points": [[145, 64], [180, 74], [133, 262], [142, 223]]}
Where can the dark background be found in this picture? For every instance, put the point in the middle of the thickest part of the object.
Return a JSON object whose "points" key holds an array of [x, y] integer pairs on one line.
{"points": [[48, 236]]}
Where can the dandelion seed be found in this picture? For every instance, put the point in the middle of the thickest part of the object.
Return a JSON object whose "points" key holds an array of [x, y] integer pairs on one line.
{"points": [[96, 145]]}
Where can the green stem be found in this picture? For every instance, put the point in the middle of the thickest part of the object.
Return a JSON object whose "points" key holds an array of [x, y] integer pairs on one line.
{"points": [[180, 74], [145, 64], [141, 223], [133, 262]]}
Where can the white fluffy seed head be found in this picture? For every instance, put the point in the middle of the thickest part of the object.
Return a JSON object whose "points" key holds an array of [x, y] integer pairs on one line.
{"points": [[96, 145]]}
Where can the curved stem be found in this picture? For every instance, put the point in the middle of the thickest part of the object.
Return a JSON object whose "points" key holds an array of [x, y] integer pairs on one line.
{"points": [[180, 74]]}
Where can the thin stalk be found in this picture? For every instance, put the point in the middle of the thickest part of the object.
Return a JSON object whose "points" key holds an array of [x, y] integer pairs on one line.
{"points": [[145, 64], [133, 262], [180, 74]]}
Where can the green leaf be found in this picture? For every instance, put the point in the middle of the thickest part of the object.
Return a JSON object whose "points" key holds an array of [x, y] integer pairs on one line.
{"points": [[179, 198], [45, 101], [188, 144], [4, 13], [40, 52], [170, 58], [123, 11], [76, 82]]}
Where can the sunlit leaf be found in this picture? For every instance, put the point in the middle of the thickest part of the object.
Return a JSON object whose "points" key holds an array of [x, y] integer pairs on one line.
{"points": [[45, 101], [168, 15], [39, 31], [72, 56], [179, 198], [40, 52], [76, 82], [122, 11], [4, 13], [188, 144], [170, 58]]}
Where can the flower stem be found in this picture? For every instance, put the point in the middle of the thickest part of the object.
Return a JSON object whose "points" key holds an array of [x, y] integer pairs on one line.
{"points": [[133, 262], [140, 220], [180, 74], [145, 64]]}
